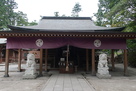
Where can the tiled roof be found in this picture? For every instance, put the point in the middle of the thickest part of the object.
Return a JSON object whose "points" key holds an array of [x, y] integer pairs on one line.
{"points": [[66, 24]]}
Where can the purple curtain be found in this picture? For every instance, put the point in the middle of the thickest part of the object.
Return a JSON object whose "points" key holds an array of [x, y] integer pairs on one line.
{"points": [[56, 42]]}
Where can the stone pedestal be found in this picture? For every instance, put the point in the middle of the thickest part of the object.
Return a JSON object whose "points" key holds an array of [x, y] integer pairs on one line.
{"points": [[103, 69], [103, 73], [104, 76], [28, 76], [30, 71]]}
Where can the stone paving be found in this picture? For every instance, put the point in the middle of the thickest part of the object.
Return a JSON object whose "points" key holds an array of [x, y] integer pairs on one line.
{"points": [[67, 82]]}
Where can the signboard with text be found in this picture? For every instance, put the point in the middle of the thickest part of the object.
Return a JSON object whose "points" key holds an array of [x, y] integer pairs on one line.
{"points": [[36, 53]]}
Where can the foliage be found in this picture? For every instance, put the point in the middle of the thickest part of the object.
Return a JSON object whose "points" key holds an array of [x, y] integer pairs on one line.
{"points": [[132, 58], [119, 13], [116, 13], [20, 19], [32, 23], [56, 14], [76, 10], [7, 12], [9, 17], [132, 52]]}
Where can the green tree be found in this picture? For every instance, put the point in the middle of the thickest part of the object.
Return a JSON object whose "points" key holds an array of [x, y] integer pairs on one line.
{"points": [[104, 7], [7, 12], [119, 13], [56, 14], [9, 17], [20, 19], [131, 44], [99, 16], [75, 11], [32, 23], [124, 13]]}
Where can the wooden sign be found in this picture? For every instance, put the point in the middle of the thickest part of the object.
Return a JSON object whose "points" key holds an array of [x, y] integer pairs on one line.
{"points": [[36, 53]]}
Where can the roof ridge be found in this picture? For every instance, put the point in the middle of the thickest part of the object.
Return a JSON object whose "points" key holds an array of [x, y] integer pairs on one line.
{"points": [[69, 18]]}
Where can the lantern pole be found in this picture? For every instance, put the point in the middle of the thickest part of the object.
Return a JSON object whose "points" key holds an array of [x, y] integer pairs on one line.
{"points": [[67, 67]]}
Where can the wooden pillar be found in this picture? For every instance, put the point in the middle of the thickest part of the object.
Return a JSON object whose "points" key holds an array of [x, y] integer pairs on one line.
{"points": [[125, 63], [112, 60], [93, 62], [0, 55], [19, 60], [87, 59], [46, 55], [7, 63], [41, 62]]}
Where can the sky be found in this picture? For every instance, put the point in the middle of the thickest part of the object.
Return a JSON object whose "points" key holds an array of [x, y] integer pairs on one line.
{"points": [[36, 8]]}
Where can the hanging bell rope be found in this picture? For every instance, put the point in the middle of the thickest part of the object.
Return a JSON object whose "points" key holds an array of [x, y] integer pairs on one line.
{"points": [[67, 66]]}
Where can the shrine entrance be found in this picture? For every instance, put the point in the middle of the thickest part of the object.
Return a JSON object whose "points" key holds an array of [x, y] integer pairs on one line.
{"points": [[57, 58], [52, 50], [52, 35]]}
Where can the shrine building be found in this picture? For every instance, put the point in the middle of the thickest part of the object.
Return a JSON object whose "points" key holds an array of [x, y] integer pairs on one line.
{"points": [[58, 42]]}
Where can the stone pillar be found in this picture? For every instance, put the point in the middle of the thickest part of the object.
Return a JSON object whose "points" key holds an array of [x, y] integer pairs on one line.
{"points": [[7, 64], [93, 62]]}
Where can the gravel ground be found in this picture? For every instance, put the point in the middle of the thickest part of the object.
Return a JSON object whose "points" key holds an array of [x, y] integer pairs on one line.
{"points": [[118, 82], [16, 83]]}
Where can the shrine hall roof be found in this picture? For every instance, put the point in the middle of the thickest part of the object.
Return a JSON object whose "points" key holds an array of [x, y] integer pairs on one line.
{"points": [[66, 24]]}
